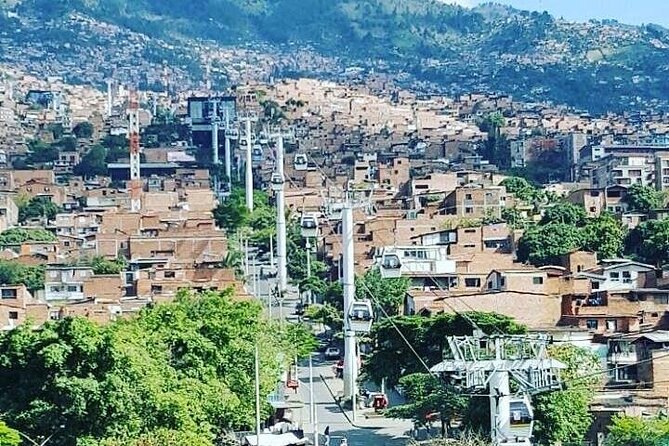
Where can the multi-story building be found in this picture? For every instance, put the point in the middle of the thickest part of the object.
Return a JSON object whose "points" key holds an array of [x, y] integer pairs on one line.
{"points": [[625, 165], [477, 201]]}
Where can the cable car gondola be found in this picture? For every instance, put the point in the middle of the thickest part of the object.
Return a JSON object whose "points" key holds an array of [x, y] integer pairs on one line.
{"points": [[309, 225], [390, 266], [521, 418], [300, 162], [276, 182], [256, 155], [360, 316]]}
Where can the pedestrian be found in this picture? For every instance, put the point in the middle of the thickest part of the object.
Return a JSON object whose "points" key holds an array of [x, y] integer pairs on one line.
{"points": [[326, 433]]}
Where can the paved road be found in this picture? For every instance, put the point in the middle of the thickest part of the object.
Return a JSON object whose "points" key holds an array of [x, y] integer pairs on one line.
{"points": [[365, 432]]}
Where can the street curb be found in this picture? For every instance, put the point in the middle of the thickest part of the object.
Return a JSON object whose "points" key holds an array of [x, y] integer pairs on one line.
{"points": [[334, 398]]}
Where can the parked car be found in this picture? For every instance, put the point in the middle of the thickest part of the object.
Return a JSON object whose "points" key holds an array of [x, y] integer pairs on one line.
{"points": [[332, 353]]}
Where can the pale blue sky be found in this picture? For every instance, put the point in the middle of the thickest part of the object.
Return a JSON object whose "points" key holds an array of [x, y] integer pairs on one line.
{"points": [[625, 11]]}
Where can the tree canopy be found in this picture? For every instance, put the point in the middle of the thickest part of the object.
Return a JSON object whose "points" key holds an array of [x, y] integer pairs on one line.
{"points": [[83, 130], [37, 207], [564, 416], [393, 359], [16, 236], [641, 198], [565, 228], [93, 163], [387, 293], [178, 373], [637, 431], [15, 273], [649, 242]]}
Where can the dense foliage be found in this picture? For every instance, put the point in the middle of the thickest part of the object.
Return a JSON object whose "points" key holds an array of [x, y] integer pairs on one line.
{"points": [[179, 373], [15, 273], [642, 198], [37, 207], [16, 236], [102, 266], [637, 431], [564, 228], [392, 357], [649, 242], [564, 416]]}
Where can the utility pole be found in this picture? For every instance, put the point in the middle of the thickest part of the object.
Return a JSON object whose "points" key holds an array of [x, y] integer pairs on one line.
{"points": [[313, 416], [278, 185], [257, 389], [133, 133], [214, 132], [348, 282], [308, 247]]}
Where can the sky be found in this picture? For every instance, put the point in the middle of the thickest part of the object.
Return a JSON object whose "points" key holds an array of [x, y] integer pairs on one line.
{"points": [[632, 12]]}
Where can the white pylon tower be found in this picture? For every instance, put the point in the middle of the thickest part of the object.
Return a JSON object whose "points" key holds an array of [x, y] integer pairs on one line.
{"points": [[348, 285], [488, 362], [133, 136], [248, 120], [229, 135], [278, 181]]}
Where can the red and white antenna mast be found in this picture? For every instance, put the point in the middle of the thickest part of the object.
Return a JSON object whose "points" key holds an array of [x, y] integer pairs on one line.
{"points": [[133, 134]]}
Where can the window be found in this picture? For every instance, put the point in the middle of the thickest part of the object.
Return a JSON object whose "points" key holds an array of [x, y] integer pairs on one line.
{"points": [[156, 289], [9, 293], [469, 210], [594, 285], [591, 324], [14, 315], [472, 282], [54, 315], [170, 274], [468, 196], [72, 288], [627, 277], [611, 325], [579, 268], [615, 276], [470, 231], [537, 280], [470, 245], [502, 281]]}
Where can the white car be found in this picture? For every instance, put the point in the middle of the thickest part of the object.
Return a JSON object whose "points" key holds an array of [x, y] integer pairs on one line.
{"points": [[332, 353]]}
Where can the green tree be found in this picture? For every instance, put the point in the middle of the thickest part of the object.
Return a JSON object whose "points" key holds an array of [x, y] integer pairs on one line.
{"points": [[637, 431], [40, 152], [16, 236], [543, 245], [564, 416], [514, 218], [649, 242], [393, 359], [520, 188], [232, 214], [178, 373], [93, 163], [426, 396], [388, 293], [8, 436], [14, 273], [326, 314], [604, 235], [103, 266], [565, 213], [83, 130], [642, 198], [38, 207]]}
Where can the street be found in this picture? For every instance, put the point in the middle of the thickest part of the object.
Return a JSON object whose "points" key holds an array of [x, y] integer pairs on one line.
{"points": [[373, 431]]}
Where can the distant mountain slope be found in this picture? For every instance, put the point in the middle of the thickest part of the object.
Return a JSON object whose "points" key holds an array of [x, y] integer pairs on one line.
{"points": [[597, 66]]}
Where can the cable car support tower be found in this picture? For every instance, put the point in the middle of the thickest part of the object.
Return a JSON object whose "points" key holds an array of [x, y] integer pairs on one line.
{"points": [[481, 362]]}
